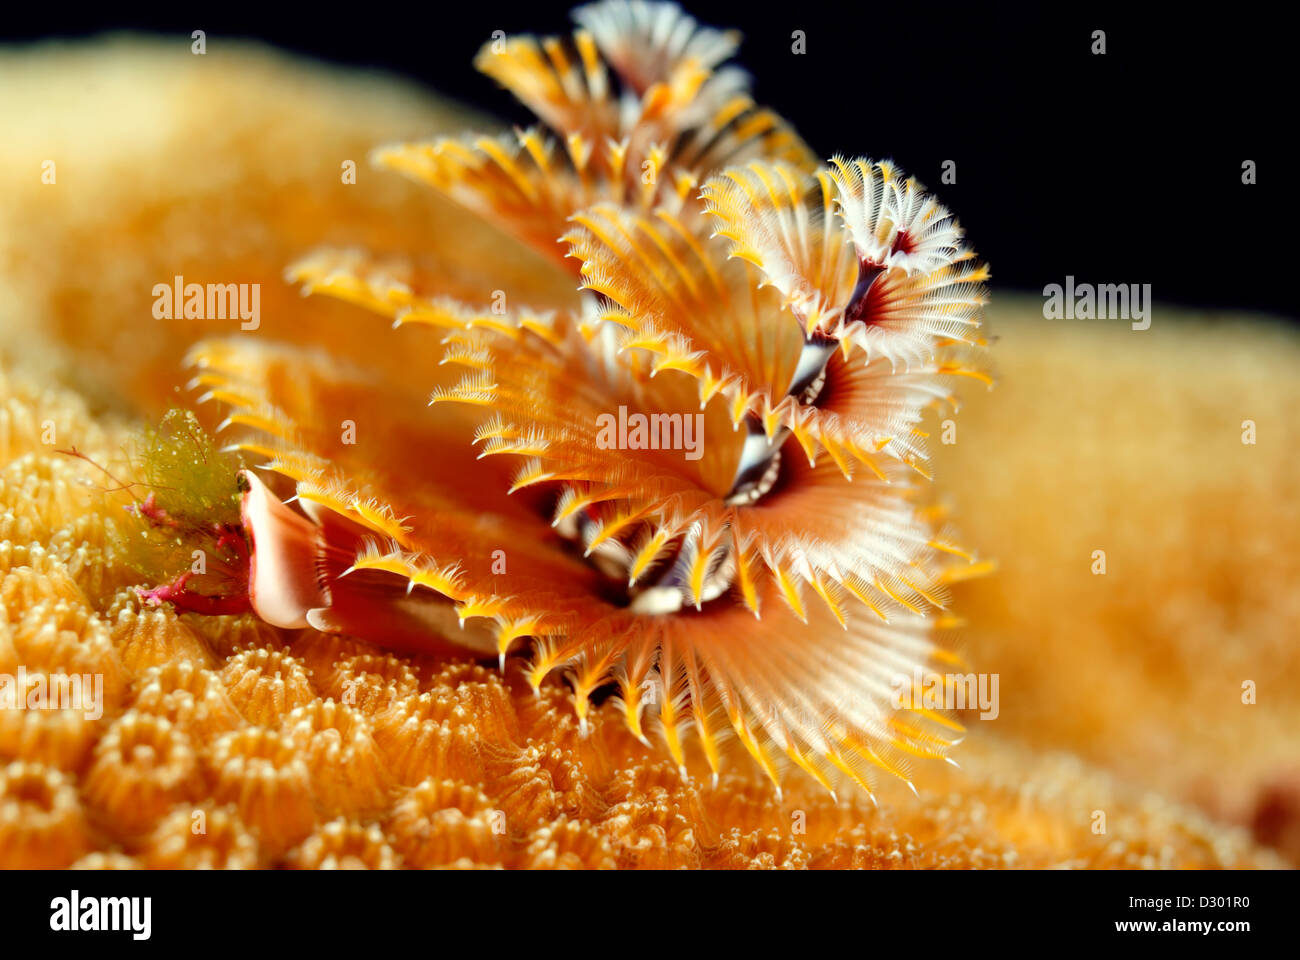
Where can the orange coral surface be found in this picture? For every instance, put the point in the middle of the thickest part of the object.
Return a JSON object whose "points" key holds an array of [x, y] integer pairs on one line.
{"points": [[224, 742]]}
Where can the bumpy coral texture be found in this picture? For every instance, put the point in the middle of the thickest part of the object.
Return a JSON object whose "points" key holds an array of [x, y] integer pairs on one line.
{"points": [[228, 743], [225, 743]]}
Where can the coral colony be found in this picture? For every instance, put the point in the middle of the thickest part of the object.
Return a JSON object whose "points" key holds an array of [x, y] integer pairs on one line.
{"points": [[705, 491]]}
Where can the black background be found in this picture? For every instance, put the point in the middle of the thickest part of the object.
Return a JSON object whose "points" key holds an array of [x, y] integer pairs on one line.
{"points": [[1123, 168]]}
